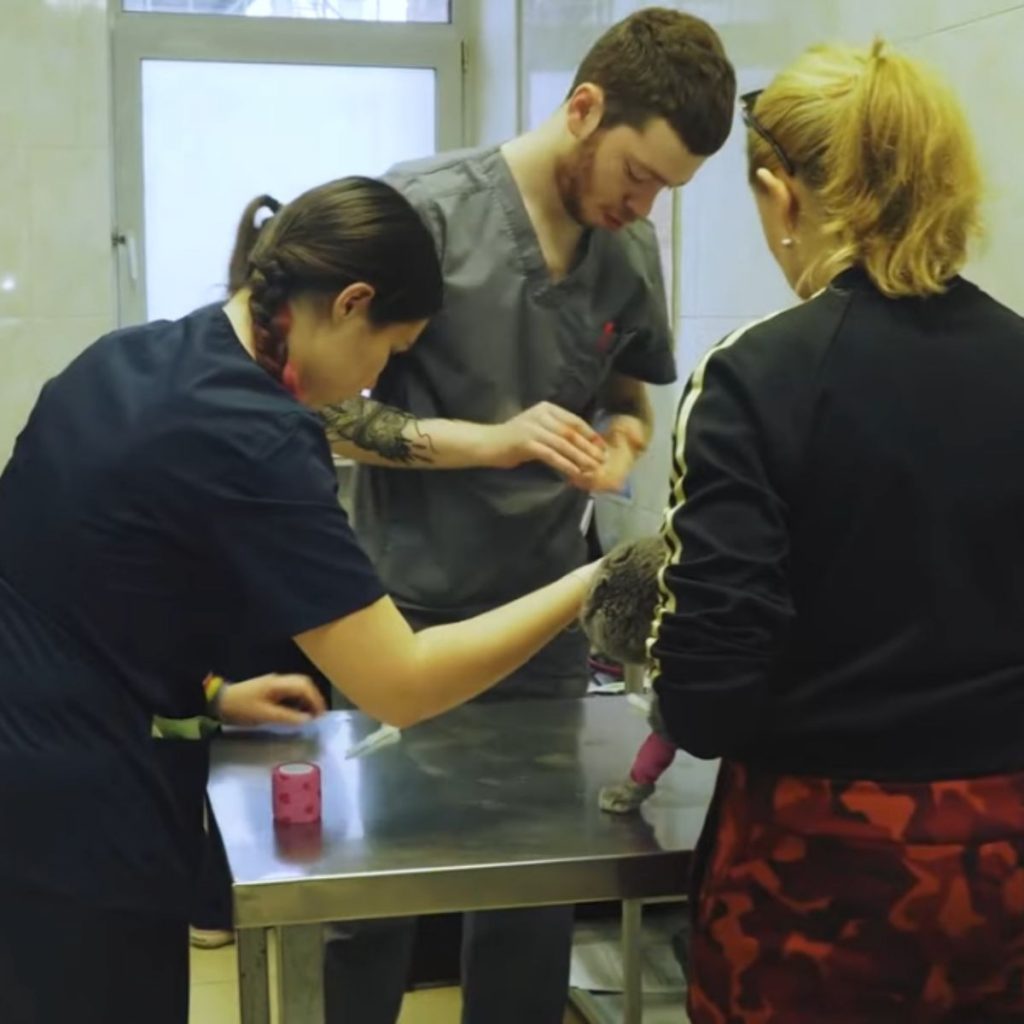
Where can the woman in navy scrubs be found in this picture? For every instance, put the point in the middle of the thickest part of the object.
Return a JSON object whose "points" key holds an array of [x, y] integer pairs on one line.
{"points": [[172, 488]]}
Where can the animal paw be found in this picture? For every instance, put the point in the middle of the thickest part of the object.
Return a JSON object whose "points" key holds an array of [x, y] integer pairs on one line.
{"points": [[624, 798]]}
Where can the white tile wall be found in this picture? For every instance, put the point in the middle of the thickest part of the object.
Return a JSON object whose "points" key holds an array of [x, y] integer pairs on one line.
{"points": [[650, 476], [56, 266], [491, 86], [725, 266], [771, 32], [974, 44], [982, 61], [15, 233], [69, 215], [902, 22]]}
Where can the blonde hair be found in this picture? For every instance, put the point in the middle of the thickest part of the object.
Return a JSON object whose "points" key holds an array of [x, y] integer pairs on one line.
{"points": [[885, 148]]}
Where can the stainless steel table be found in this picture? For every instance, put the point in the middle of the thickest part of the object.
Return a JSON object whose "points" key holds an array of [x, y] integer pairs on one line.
{"points": [[490, 806]]}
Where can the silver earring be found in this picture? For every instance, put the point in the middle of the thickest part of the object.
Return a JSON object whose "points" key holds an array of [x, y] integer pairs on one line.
{"points": [[787, 243]]}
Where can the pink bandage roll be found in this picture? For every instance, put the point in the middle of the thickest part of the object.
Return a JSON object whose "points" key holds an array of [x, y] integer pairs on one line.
{"points": [[299, 844], [296, 792]]}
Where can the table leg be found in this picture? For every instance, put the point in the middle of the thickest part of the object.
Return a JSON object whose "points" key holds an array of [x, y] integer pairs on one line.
{"points": [[632, 962], [634, 676], [300, 974], [253, 980]]}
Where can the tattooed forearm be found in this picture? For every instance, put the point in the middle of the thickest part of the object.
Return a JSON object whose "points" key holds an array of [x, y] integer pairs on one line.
{"points": [[388, 432]]}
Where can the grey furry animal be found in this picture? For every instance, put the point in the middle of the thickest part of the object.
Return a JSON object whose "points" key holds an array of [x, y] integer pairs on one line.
{"points": [[617, 615], [620, 605]]}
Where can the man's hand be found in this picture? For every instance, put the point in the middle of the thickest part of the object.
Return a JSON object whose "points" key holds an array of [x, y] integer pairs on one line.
{"points": [[270, 700], [545, 433]]}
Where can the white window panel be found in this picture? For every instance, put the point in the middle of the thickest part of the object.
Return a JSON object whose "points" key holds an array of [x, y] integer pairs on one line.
{"points": [[330, 10], [216, 134]]}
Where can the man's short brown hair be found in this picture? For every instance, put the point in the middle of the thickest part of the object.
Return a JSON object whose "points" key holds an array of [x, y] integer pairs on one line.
{"points": [[663, 63]]}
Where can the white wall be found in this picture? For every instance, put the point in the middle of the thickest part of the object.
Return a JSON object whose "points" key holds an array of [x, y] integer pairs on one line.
{"points": [[727, 275], [977, 47], [492, 79], [56, 281]]}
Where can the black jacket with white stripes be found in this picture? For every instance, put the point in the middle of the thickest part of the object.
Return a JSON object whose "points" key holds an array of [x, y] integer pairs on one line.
{"points": [[844, 591]]}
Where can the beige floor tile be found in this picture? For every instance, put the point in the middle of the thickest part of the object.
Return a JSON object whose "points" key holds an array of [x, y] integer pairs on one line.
{"points": [[214, 1002], [215, 995], [431, 1006], [442, 1006]]}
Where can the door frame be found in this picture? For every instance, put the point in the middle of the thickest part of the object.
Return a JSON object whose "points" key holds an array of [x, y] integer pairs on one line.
{"points": [[136, 37]]}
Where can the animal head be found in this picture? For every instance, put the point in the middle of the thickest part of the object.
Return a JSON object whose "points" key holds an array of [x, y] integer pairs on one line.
{"points": [[620, 605]]}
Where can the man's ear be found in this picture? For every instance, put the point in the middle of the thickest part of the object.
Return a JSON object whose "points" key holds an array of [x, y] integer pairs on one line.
{"points": [[585, 110]]}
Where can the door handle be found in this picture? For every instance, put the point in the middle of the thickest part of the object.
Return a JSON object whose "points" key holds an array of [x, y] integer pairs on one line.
{"points": [[126, 241]]}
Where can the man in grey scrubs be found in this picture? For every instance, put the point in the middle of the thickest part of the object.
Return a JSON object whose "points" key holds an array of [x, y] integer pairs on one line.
{"points": [[554, 314]]}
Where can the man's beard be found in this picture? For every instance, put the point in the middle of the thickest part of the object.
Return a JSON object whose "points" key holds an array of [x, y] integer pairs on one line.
{"points": [[574, 176]]}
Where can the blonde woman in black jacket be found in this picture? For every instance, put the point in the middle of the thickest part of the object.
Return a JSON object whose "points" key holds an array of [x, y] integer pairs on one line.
{"points": [[842, 610]]}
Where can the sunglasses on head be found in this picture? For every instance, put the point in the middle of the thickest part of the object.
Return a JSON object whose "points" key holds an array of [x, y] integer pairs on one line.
{"points": [[747, 102]]}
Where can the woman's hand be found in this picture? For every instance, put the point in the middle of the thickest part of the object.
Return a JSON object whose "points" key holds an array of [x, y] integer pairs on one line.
{"points": [[270, 700], [626, 440]]}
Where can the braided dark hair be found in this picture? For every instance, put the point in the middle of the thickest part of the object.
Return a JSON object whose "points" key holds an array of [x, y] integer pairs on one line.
{"points": [[268, 293], [249, 228], [347, 231]]}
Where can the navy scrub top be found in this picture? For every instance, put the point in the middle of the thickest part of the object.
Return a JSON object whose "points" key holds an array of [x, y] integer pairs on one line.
{"points": [[167, 500]]}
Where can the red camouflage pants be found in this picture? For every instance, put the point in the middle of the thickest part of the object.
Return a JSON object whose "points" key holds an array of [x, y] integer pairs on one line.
{"points": [[860, 903]]}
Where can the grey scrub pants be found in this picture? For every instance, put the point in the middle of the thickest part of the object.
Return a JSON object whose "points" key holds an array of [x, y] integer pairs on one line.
{"points": [[515, 963]]}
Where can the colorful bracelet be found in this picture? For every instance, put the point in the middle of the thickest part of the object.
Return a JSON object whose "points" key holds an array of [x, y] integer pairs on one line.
{"points": [[213, 687]]}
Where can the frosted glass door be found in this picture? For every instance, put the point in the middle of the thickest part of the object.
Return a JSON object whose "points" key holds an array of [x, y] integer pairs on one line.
{"points": [[216, 133]]}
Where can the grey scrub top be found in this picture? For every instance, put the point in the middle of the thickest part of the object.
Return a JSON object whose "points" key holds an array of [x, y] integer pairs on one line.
{"points": [[453, 543]]}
